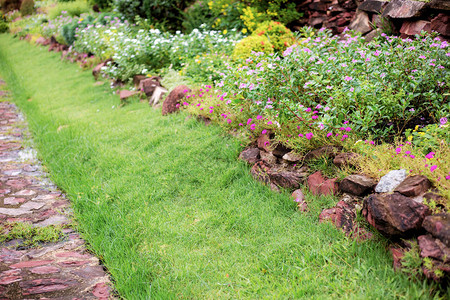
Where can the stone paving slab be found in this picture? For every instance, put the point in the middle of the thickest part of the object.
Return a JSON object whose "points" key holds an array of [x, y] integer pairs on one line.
{"points": [[61, 270]]}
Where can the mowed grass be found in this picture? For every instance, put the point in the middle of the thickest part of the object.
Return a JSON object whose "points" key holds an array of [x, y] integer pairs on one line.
{"points": [[167, 206]]}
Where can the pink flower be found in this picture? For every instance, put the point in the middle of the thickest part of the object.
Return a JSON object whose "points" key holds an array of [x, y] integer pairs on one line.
{"points": [[229, 121], [344, 137], [240, 124], [429, 155], [314, 117], [185, 103], [264, 131], [300, 134], [412, 156], [329, 134], [252, 127], [259, 117], [269, 123], [308, 109], [249, 121], [407, 152], [211, 111], [348, 78], [348, 129], [309, 135], [434, 167], [398, 150]]}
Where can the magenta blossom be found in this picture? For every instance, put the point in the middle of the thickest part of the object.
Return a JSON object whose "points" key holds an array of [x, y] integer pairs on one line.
{"points": [[433, 167], [269, 123], [259, 117], [249, 121], [264, 131], [429, 155], [309, 135], [329, 134]]}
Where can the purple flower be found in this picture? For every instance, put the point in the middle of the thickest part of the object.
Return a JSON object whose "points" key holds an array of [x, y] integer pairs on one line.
{"points": [[443, 121], [329, 134], [300, 134], [252, 127], [309, 135], [259, 117], [229, 121], [269, 123], [264, 131], [249, 121], [434, 167], [347, 78]]}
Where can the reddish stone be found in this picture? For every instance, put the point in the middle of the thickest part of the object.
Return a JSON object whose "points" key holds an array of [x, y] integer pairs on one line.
{"points": [[299, 197], [30, 263], [329, 187], [431, 247], [89, 272], [314, 181], [74, 263], [343, 216], [148, 86], [125, 94], [397, 256], [414, 186], [72, 254], [260, 171], [357, 185], [441, 24], [45, 270], [264, 142], [13, 201], [394, 215], [250, 155], [173, 100], [414, 27], [101, 290], [46, 285], [9, 279], [439, 226], [17, 184]]}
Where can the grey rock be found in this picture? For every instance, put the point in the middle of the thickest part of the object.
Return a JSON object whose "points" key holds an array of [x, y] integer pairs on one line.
{"points": [[390, 181], [361, 22], [404, 9], [292, 157]]}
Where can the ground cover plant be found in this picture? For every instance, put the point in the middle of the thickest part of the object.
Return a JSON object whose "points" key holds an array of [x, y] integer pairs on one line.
{"points": [[192, 225]]}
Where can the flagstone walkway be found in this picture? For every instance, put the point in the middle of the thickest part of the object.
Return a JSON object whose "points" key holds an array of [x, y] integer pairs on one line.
{"points": [[51, 270]]}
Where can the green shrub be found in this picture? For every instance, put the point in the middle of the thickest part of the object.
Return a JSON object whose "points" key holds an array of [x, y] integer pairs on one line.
{"points": [[3, 24], [27, 7], [252, 43], [166, 14], [103, 4], [69, 30], [9, 5], [280, 36], [196, 15], [75, 8]]}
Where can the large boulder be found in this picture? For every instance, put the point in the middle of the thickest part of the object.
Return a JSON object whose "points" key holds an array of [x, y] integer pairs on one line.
{"points": [[440, 4], [441, 24], [372, 6], [439, 226], [404, 9], [414, 186], [394, 215], [390, 181], [357, 185], [172, 101], [414, 27], [361, 22]]}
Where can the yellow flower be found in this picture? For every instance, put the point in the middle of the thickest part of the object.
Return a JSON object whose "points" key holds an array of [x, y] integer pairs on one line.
{"points": [[244, 31], [81, 19], [225, 31], [422, 133], [417, 127], [410, 138]]}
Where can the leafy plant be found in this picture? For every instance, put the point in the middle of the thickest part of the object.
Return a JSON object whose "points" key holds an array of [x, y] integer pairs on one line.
{"points": [[73, 8], [27, 7]]}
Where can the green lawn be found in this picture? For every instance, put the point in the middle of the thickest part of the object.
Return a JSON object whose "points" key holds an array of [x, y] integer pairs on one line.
{"points": [[166, 204]]}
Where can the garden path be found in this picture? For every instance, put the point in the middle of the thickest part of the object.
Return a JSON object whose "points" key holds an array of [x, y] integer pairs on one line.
{"points": [[61, 270]]}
